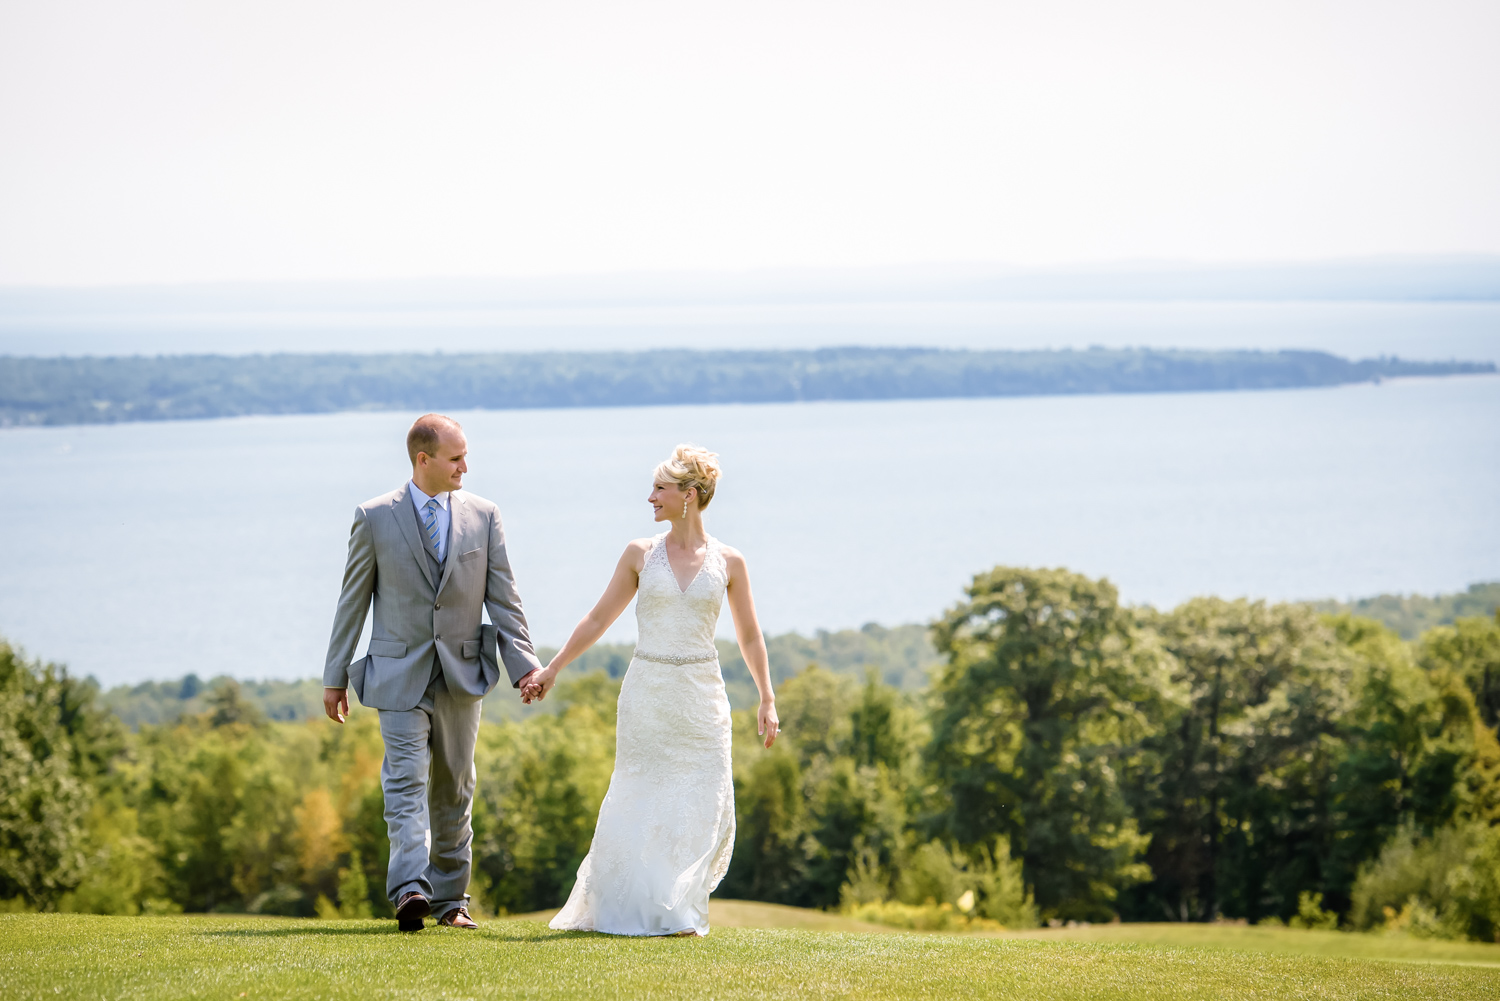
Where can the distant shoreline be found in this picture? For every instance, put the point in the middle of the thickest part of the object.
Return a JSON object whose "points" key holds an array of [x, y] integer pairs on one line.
{"points": [[109, 390]]}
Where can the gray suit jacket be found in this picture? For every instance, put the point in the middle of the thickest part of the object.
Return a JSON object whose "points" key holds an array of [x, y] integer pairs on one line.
{"points": [[416, 614]]}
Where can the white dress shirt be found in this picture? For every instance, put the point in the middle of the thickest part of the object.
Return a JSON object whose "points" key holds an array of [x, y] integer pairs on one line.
{"points": [[444, 516]]}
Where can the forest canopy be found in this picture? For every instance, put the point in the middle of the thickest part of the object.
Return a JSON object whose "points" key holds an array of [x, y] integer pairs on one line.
{"points": [[901, 656]]}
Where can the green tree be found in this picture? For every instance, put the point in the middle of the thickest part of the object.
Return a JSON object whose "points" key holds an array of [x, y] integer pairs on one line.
{"points": [[368, 840], [1239, 802], [122, 874], [354, 889], [1039, 702], [1392, 768], [769, 861], [1416, 752], [1442, 885], [1470, 648], [55, 746], [882, 728], [221, 805], [42, 802], [350, 756], [830, 798], [228, 705]]}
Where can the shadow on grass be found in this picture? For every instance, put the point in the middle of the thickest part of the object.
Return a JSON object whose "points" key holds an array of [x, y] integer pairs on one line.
{"points": [[390, 930]]}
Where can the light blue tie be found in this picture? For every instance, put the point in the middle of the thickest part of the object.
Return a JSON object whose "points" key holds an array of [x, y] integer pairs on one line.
{"points": [[431, 524]]}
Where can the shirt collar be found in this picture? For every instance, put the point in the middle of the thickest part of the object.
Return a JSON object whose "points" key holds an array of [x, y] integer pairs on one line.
{"points": [[421, 499]]}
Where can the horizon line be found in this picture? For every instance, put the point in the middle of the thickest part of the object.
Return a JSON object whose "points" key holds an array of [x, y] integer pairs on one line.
{"points": [[1097, 268]]}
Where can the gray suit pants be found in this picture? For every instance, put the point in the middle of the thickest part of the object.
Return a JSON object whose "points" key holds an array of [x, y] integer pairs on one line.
{"points": [[428, 777]]}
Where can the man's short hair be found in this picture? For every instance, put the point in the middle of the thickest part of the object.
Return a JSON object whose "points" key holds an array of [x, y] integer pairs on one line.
{"points": [[424, 434]]}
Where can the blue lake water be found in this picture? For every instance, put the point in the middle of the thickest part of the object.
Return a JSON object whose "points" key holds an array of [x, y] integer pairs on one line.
{"points": [[150, 550]]}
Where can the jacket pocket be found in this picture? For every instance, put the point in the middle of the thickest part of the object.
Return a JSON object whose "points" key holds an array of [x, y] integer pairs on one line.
{"points": [[472, 554], [387, 648], [470, 649]]}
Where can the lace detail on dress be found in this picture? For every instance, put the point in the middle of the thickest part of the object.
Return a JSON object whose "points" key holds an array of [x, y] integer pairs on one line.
{"points": [[666, 828], [674, 621]]}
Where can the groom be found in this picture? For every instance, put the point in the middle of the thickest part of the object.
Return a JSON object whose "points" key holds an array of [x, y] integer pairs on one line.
{"points": [[430, 556]]}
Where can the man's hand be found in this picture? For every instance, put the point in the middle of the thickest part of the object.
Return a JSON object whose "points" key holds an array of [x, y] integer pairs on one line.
{"points": [[536, 685], [527, 685], [336, 703]]}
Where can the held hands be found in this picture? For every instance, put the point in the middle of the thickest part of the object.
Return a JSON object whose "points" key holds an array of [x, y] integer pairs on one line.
{"points": [[536, 685], [336, 703], [768, 725]]}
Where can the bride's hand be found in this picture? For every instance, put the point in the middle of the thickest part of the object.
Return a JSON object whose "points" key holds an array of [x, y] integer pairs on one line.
{"points": [[530, 689], [538, 685], [770, 726]]}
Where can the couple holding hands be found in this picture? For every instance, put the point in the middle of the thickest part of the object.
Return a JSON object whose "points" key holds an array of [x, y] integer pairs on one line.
{"points": [[429, 557]]}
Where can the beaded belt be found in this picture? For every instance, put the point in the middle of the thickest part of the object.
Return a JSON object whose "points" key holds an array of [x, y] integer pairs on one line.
{"points": [[677, 660]]}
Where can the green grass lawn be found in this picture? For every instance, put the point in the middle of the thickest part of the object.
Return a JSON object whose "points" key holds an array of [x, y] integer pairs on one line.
{"points": [[809, 955]]}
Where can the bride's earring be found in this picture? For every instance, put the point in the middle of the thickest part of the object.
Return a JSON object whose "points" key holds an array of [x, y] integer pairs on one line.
{"points": [[684, 507]]}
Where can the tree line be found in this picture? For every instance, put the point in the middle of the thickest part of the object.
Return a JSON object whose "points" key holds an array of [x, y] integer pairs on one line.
{"points": [[93, 390], [1070, 759], [901, 656]]}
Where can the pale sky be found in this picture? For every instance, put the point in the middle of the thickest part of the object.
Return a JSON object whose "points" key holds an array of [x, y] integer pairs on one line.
{"points": [[269, 140]]}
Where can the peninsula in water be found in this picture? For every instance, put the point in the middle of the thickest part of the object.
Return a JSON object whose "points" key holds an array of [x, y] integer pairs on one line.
{"points": [[101, 390]]}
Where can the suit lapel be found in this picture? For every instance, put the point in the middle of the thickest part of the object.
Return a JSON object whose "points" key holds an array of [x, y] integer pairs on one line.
{"points": [[406, 519], [457, 523]]}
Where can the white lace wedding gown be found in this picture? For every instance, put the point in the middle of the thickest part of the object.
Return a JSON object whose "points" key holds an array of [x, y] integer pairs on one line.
{"points": [[666, 826]]}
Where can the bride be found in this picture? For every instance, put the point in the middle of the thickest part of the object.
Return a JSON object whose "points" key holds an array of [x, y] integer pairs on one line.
{"points": [[666, 826]]}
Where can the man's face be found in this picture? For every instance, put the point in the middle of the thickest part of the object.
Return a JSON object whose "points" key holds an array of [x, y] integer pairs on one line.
{"points": [[444, 471]]}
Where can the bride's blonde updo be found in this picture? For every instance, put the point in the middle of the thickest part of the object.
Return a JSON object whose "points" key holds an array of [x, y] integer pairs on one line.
{"points": [[691, 466]]}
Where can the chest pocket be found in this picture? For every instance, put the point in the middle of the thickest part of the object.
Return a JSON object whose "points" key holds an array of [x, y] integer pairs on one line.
{"points": [[472, 554]]}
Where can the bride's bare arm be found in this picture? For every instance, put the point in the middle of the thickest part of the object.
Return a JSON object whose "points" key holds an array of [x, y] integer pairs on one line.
{"points": [[752, 643], [606, 610]]}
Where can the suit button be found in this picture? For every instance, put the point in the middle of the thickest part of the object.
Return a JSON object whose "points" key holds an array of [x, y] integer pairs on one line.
{"points": [[437, 608]]}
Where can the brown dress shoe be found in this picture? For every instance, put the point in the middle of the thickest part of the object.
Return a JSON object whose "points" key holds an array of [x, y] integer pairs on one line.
{"points": [[458, 918], [410, 910]]}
